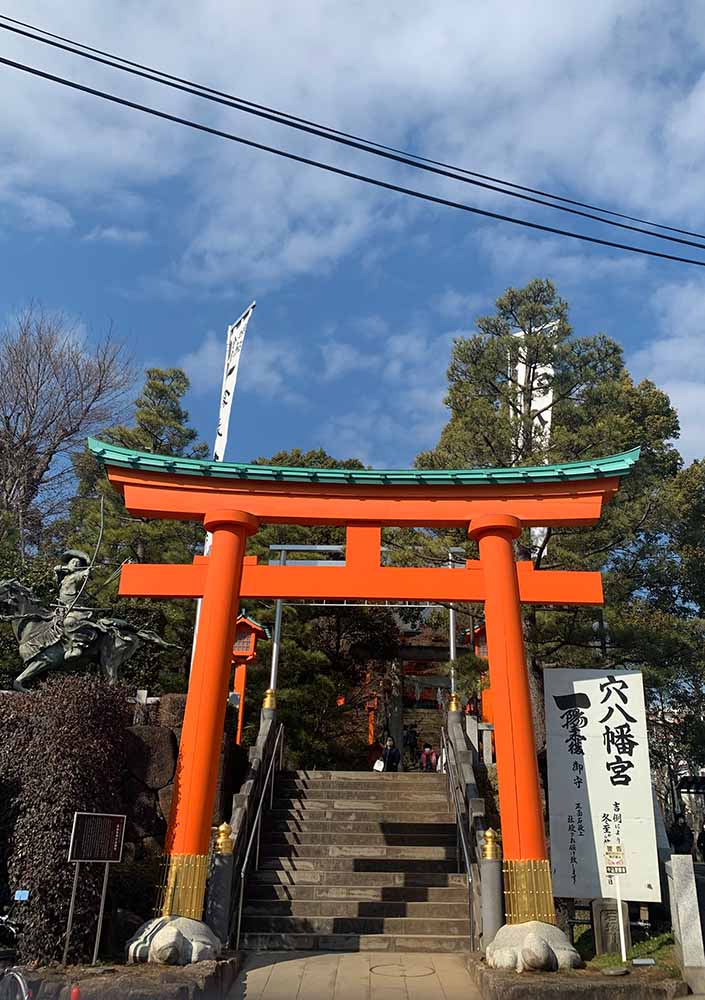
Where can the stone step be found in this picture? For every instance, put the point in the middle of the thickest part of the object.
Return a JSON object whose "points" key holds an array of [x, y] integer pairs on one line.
{"points": [[347, 876], [308, 838], [421, 786], [424, 804], [355, 908], [261, 891], [357, 852], [409, 797], [335, 814], [414, 866], [355, 925], [354, 942], [302, 824], [400, 777]]}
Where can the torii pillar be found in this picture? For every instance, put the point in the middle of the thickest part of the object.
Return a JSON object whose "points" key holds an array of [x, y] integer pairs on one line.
{"points": [[188, 842], [527, 872]]}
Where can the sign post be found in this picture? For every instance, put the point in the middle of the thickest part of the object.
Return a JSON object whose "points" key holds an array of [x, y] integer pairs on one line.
{"points": [[96, 838], [615, 866], [603, 832]]}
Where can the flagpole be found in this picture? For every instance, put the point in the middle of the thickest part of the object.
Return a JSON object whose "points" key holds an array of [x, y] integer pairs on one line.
{"points": [[233, 350]]}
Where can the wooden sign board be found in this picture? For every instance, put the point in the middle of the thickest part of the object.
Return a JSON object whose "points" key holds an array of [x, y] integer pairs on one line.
{"points": [[97, 837]]}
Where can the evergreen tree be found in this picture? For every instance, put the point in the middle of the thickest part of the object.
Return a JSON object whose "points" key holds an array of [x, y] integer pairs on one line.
{"points": [[160, 426], [523, 362]]}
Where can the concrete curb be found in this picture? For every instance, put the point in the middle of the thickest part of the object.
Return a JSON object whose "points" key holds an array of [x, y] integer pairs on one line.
{"points": [[202, 981], [494, 984]]}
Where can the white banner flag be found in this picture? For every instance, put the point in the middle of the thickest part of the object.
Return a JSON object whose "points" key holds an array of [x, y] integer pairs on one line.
{"points": [[236, 337]]}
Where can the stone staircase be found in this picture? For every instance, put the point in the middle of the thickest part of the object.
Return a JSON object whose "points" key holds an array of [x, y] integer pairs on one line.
{"points": [[428, 722], [357, 861]]}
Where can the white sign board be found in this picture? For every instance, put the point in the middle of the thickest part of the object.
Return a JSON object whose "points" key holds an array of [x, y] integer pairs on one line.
{"points": [[599, 786]]}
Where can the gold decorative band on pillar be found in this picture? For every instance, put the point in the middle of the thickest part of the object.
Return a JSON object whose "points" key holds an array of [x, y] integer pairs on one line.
{"points": [[270, 699], [528, 892], [454, 703], [183, 890]]}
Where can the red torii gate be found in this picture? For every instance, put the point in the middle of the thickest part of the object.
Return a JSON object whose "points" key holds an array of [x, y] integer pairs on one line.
{"points": [[231, 500]]}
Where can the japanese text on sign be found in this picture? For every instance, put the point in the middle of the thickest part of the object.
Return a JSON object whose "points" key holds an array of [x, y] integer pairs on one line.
{"points": [[599, 785]]}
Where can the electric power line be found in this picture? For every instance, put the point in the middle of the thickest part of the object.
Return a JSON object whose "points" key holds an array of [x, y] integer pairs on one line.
{"points": [[342, 138], [348, 135], [340, 171]]}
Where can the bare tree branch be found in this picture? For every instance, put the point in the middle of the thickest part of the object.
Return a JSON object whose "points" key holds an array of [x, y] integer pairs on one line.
{"points": [[55, 389]]}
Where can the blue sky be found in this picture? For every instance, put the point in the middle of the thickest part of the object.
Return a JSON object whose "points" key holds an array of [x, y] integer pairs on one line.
{"points": [[168, 234]]}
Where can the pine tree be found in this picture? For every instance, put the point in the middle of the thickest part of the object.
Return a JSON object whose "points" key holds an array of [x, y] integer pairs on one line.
{"points": [[160, 426], [596, 408]]}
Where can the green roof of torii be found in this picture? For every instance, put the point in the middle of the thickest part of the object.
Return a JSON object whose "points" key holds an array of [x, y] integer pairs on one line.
{"points": [[590, 468]]}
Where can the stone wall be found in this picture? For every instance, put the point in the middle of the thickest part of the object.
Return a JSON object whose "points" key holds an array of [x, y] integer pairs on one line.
{"points": [[150, 767]]}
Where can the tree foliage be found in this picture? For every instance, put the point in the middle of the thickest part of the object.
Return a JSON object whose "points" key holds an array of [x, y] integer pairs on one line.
{"points": [[522, 364], [326, 652], [160, 425]]}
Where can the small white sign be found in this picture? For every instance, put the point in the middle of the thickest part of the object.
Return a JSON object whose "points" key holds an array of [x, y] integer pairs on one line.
{"points": [[599, 786]]}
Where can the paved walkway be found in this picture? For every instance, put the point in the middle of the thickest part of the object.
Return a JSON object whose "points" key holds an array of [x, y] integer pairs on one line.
{"points": [[353, 976]]}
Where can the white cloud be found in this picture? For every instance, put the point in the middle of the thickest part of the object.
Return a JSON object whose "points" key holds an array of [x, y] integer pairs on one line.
{"points": [[340, 359], [572, 264], [268, 368], [675, 359], [403, 412], [572, 97], [452, 304], [117, 234]]}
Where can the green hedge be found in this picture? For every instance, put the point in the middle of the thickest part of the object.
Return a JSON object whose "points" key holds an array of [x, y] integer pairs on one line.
{"points": [[61, 751]]}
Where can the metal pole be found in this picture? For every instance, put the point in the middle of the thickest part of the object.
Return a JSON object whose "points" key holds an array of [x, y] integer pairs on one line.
{"points": [[69, 922], [239, 909], [451, 627], [276, 639], [100, 915]]}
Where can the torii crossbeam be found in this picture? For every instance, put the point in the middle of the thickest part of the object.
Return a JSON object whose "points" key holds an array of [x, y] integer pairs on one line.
{"points": [[232, 500]]}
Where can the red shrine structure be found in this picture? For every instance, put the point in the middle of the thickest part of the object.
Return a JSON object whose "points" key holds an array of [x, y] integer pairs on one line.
{"points": [[493, 505]]}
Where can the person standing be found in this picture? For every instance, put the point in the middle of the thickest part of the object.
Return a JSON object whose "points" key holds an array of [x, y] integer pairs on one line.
{"points": [[701, 842], [681, 836], [391, 755]]}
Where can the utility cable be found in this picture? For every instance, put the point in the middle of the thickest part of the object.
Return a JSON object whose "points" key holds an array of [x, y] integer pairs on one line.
{"points": [[331, 135], [340, 171]]}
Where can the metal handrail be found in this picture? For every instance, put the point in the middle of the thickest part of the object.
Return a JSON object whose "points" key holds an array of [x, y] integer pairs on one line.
{"points": [[256, 826], [446, 745], [461, 833]]}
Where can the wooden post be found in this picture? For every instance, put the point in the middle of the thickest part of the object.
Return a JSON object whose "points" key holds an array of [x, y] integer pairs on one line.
{"points": [[239, 687]]}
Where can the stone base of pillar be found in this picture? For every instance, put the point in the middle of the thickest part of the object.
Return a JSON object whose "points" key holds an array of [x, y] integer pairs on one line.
{"points": [[528, 892], [173, 941], [183, 889], [532, 947]]}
